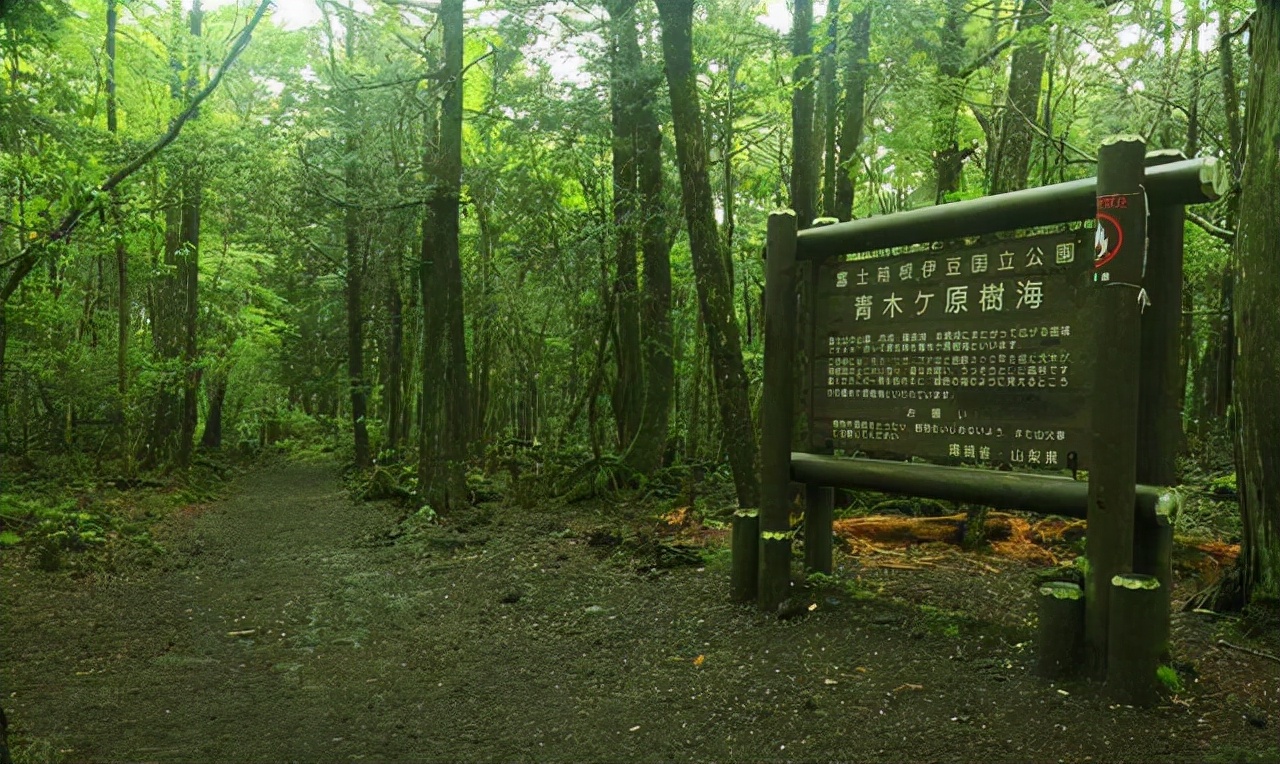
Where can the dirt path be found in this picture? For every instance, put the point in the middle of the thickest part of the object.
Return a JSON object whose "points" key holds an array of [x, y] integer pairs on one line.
{"points": [[289, 627]]}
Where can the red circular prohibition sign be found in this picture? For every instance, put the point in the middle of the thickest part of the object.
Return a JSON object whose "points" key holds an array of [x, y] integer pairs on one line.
{"points": [[1109, 256]]}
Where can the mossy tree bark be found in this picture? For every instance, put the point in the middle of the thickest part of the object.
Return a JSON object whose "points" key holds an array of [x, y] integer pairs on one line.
{"points": [[857, 71], [645, 450], [624, 65], [804, 164], [1256, 408], [715, 298], [1012, 156], [445, 422], [176, 304]]}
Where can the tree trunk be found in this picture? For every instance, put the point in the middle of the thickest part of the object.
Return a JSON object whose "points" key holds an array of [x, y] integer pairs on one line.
{"points": [[714, 296], [393, 388], [121, 255], [827, 78], [624, 64], [166, 333], [189, 274], [216, 389], [176, 309], [1013, 154], [948, 157], [354, 287], [857, 70], [646, 449], [1256, 409], [1214, 374], [804, 165], [445, 428]]}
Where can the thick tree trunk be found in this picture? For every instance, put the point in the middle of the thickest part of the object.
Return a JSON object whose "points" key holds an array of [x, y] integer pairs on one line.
{"points": [[177, 303], [1256, 408], [649, 444], [714, 296], [804, 164], [624, 65], [1013, 154], [857, 70], [164, 440], [445, 427]]}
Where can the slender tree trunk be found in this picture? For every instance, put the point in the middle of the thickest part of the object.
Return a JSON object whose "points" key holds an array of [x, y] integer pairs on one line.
{"points": [[804, 165], [189, 266], [188, 273], [121, 254], [216, 390], [1013, 153], [827, 77], [948, 157], [857, 70], [624, 65], [1230, 91], [1256, 409], [395, 353], [483, 328], [714, 296], [354, 286], [1216, 369]]}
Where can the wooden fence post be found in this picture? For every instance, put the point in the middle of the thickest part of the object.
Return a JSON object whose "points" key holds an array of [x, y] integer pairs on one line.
{"points": [[819, 507], [776, 412], [1117, 300]]}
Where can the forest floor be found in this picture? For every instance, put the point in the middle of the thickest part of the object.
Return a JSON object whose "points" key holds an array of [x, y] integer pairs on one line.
{"points": [[288, 623]]}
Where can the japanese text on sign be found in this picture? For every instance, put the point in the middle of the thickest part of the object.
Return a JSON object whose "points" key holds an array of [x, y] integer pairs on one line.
{"points": [[966, 353]]}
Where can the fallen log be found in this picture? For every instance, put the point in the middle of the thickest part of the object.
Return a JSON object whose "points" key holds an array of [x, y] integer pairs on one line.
{"points": [[952, 529]]}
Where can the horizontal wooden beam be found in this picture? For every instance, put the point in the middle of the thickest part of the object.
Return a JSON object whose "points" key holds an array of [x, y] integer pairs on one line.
{"points": [[1045, 494], [1191, 181]]}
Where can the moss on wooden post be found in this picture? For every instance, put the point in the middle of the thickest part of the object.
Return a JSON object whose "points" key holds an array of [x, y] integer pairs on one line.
{"points": [[1060, 632], [1134, 643]]}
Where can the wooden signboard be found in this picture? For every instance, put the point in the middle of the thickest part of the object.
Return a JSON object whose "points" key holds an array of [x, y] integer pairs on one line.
{"points": [[978, 353]]}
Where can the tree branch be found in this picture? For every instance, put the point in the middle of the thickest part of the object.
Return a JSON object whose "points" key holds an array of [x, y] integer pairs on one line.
{"points": [[1225, 234], [32, 252]]}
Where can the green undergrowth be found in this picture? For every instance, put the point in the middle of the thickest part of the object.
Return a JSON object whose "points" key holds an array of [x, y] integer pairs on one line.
{"points": [[1232, 753], [93, 520]]}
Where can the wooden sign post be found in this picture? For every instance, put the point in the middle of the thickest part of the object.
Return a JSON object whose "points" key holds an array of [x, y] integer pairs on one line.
{"points": [[1120, 248], [776, 414]]}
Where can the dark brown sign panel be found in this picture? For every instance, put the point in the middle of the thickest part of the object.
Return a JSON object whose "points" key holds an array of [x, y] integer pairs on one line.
{"points": [[977, 354]]}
